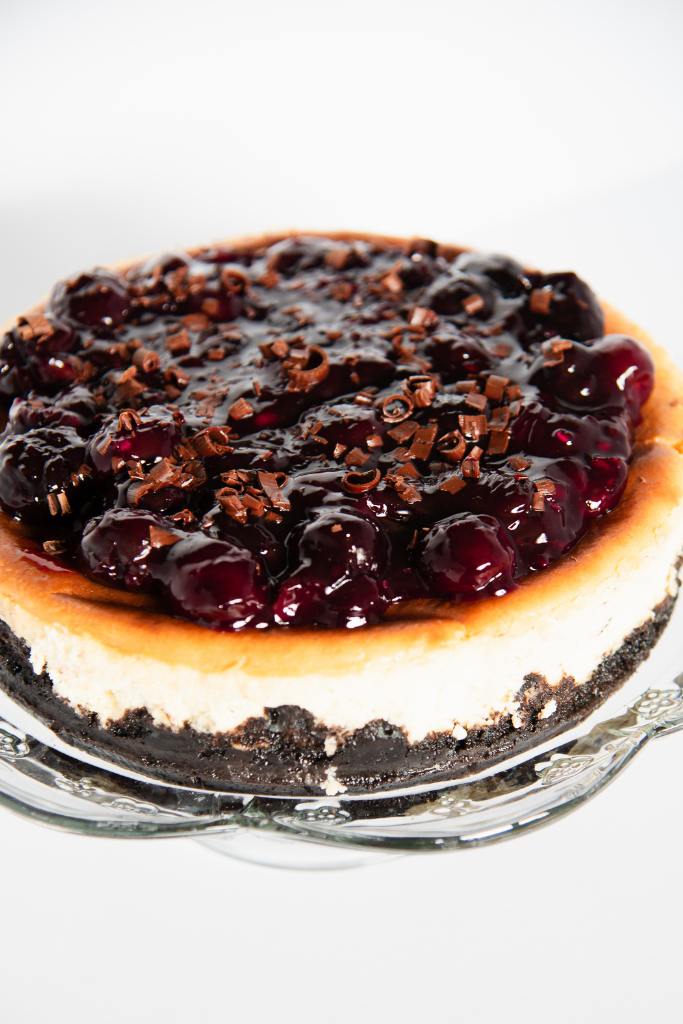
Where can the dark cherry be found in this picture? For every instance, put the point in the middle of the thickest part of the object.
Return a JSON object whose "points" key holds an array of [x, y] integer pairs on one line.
{"points": [[606, 483], [457, 357], [297, 255], [539, 430], [117, 548], [415, 270], [449, 292], [75, 408], [540, 535], [97, 299], [342, 543], [257, 538], [217, 302], [36, 468], [215, 582], [508, 276], [306, 600], [614, 371], [468, 555], [44, 362], [151, 434], [574, 310]]}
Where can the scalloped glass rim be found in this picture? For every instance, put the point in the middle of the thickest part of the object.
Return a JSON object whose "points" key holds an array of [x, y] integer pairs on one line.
{"points": [[46, 781]]}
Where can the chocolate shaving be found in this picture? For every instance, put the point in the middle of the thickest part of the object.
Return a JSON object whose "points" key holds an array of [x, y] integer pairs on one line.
{"points": [[146, 360], [216, 353], [452, 446], [473, 304], [272, 484], [185, 516], [211, 441], [554, 350], [470, 466], [356, 457], [499, 418], [518, 463], [422, 389], [35, 327], [231, 504], [423, 441], [452, 484], [396, 407], [174, 375], [541, 300], [196, 321], [477, 401], [423, 317], [280, 348], [167, 473], [127, 387], [254, 504], [392, 280], [473, 426], [545, 486], [160, 538], [374, 441], [403, 431], [269, 279], [404, 488], [498, 441], [303, 379], [54, 547], [358, 481], [408, 469], [128, 420], [339, 258], [240, 410], [495, 387]]}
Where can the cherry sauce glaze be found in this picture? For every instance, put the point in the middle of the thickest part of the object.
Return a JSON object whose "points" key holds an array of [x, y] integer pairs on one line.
{"points": [[310, 433]]}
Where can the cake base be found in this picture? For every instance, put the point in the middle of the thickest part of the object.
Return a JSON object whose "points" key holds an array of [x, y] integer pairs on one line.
{"points": [[285, 753]]}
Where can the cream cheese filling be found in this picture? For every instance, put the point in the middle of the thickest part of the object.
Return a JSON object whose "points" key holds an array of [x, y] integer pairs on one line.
{"points": [[452, 686]]}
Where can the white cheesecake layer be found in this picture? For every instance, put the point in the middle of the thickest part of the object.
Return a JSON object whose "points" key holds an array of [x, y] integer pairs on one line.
{"points": [[467, 680]]}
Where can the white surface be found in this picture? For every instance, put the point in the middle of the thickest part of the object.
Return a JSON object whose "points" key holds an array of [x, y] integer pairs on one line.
{"points": [[547, 129]]}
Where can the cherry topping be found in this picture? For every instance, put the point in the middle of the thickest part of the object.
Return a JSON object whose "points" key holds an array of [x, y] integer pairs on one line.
{"points": [[305, 433]]}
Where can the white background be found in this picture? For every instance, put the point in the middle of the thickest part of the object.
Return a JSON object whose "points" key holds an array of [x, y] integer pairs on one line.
{"points": [[550, 130]]}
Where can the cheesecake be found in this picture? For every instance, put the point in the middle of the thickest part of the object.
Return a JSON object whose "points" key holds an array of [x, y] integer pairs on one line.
{"points": [[330, 513]]}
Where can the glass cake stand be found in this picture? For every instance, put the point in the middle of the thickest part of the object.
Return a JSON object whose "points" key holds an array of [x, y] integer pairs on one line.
{"points": [[46, 781]]}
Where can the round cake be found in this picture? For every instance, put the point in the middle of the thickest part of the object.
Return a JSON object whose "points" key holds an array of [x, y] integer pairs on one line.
{"points": [[330, 513]]}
